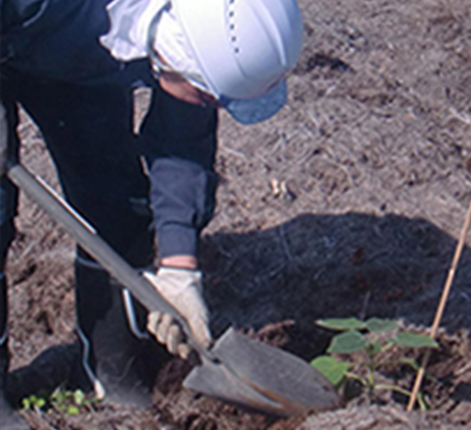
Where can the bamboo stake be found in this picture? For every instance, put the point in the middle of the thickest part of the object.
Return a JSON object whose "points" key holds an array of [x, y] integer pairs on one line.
{"points": [[441, 308]]}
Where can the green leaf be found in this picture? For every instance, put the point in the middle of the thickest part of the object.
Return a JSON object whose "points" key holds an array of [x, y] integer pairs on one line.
{"points": [[79, 397], [331, 368], [40, 402], [377, 325], [58, 395], [342, 324], [413, 340], [347, 342], [26, 403], [73, 410]]}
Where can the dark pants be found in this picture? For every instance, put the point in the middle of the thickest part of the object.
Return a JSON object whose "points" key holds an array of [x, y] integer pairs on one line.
{"points": [[88, 132]]}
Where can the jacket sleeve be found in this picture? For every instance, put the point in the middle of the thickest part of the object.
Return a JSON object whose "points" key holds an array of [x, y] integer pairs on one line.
{"points": [[180, 144]]}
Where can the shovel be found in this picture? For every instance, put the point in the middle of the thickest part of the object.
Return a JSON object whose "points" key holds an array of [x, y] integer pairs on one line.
{"points": [[237, 369]]}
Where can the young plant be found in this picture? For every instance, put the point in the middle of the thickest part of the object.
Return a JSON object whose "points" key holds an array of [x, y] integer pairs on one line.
{"points": [[368, 336], [34, 402], [69, 402]]}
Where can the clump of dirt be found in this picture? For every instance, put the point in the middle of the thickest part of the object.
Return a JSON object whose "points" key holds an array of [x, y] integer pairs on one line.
{"points": [[347, 203]]}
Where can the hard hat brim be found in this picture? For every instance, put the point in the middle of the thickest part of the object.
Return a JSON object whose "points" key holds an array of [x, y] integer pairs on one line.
{"points": [[252, 111]]}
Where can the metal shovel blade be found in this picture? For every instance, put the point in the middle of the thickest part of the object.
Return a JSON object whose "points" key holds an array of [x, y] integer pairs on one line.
{"points": [[259, 376], [237, 369]]}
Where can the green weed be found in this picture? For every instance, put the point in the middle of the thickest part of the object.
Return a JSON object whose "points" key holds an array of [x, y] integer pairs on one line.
{"points": [[62, 400], [371, 337]]}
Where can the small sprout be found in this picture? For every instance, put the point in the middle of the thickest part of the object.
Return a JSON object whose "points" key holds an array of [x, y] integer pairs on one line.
{"points": [[33, 402], [79, 397], [73, 410], [69, 402]]}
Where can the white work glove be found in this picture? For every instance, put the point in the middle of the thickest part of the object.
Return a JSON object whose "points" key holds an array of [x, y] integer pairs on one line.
{"points": [[182, 288], [3, 139]]}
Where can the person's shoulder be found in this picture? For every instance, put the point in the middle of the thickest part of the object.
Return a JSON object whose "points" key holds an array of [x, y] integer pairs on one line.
{"points": [[15, 13]]}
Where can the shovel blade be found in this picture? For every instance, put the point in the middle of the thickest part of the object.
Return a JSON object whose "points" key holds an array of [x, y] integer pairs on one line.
{"points": [[263, 378]]}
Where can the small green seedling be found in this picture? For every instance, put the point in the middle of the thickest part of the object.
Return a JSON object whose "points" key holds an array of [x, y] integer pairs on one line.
{"points": [[34, 402], [368, 336], [69, 402]]}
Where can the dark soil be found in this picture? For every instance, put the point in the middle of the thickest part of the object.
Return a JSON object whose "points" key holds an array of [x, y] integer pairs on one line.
{"points": [[348, 203]]}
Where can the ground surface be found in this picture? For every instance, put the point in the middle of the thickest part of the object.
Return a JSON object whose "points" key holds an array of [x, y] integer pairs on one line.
{"points": [[348, 203]]}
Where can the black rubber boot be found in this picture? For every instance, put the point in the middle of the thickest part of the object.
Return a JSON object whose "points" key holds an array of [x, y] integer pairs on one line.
{"points": [[119, 359], [9, 419]]}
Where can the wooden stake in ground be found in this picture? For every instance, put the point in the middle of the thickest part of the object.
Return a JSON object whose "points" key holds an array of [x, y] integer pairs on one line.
{"points": [[441, 307]]}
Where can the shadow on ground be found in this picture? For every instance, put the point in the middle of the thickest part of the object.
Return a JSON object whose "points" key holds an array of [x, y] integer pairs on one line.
{"points": [[275, 283], [319, 266]]}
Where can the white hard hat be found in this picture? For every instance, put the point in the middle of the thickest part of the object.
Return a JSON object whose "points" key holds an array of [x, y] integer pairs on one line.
{"points": [[244, 49]]}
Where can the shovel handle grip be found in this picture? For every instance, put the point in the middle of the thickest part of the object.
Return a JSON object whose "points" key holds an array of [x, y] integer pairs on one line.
{"points": [[87, 237]]}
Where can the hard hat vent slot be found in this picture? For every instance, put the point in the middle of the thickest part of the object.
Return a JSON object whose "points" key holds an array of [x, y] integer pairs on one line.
{"points": [[232, 25]]}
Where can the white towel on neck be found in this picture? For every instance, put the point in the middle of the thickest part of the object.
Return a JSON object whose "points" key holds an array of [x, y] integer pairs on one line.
{"points": [[127, 38]]}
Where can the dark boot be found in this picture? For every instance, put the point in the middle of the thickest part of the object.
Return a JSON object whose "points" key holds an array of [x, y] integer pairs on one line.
{"points": [[119, 359], [9, 419]]}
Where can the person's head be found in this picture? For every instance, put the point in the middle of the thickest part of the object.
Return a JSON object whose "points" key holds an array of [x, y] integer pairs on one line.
{"points": [[236, 52]]}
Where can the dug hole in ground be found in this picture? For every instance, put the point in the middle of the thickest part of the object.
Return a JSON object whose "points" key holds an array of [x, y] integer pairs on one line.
{"points": [[348, 203]]}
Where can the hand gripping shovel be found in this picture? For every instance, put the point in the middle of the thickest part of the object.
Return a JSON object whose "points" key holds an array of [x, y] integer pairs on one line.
{"points": [[237, 369]]}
